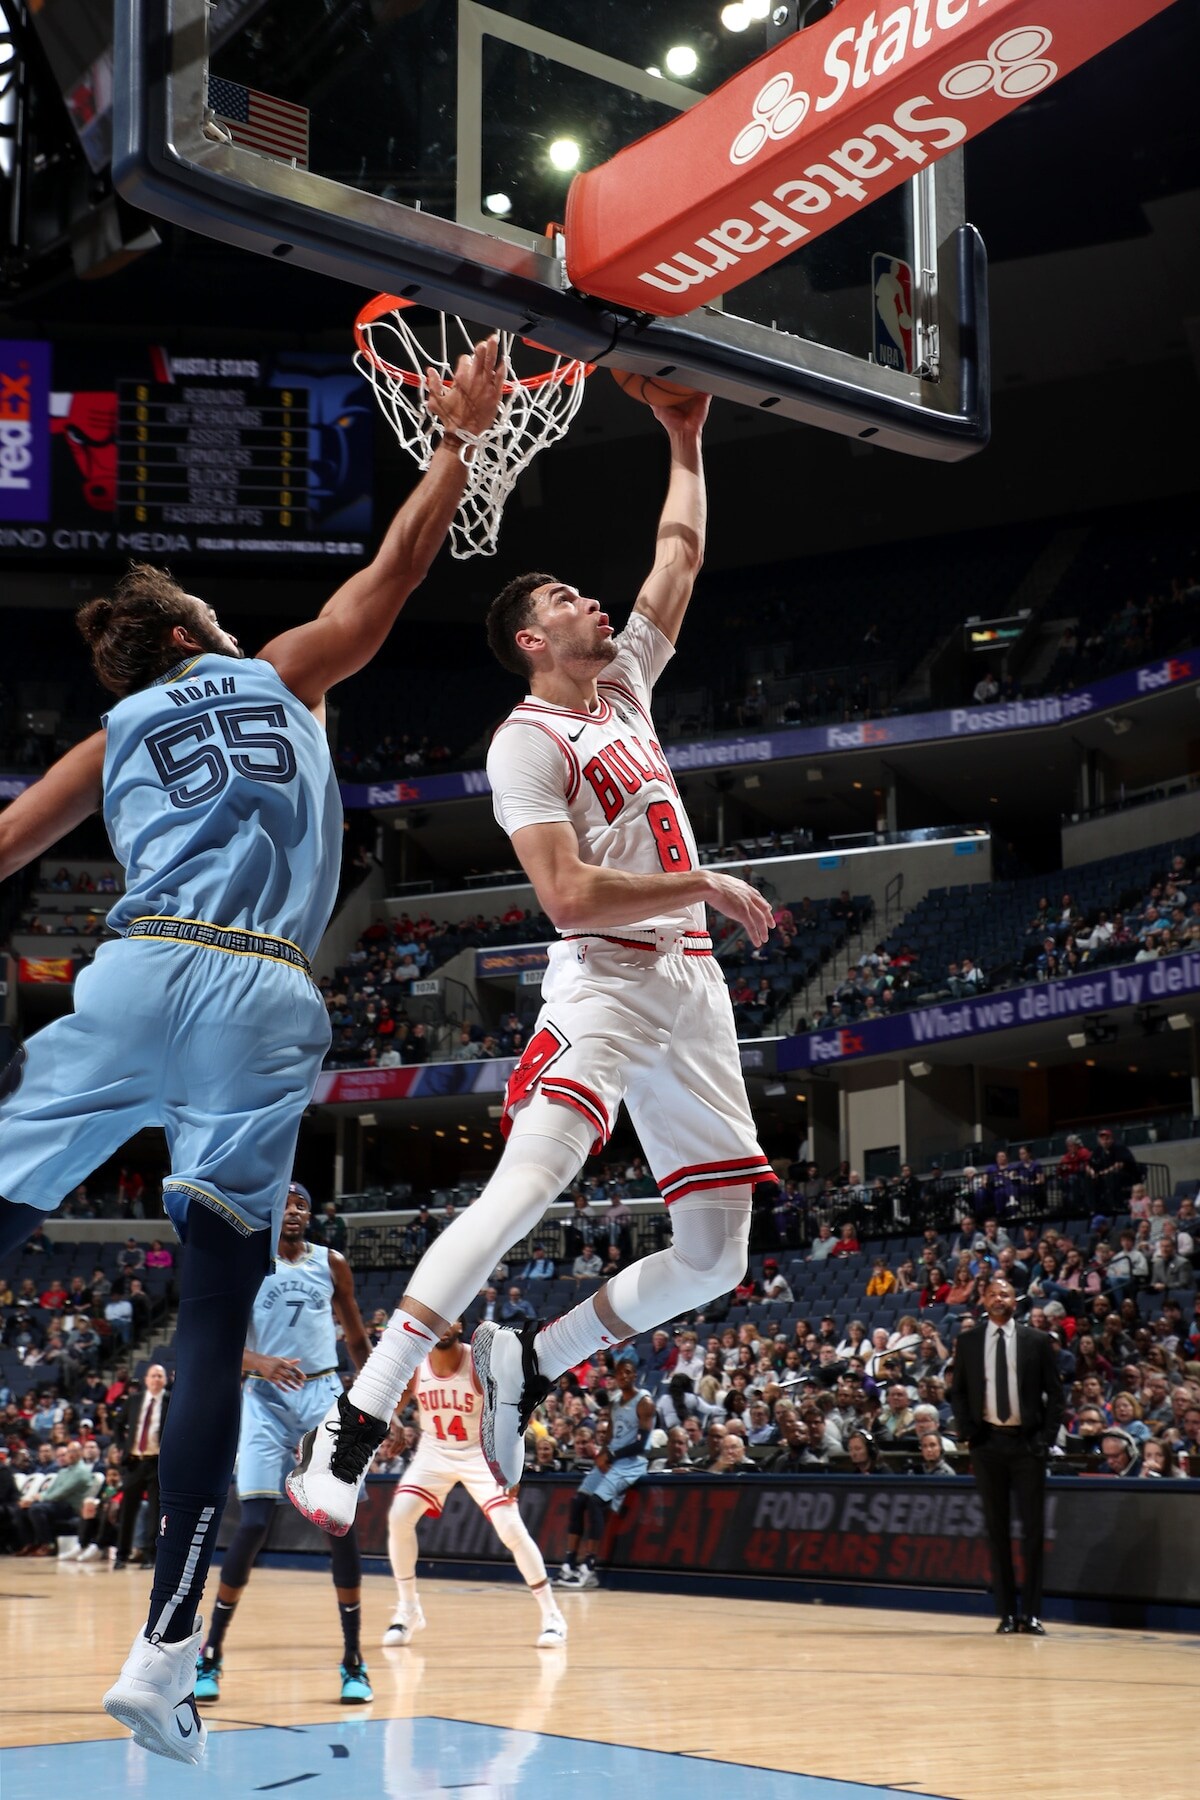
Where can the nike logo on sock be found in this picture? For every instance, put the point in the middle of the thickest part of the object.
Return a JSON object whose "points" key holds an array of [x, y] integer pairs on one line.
{"points": [[417, 1332]]}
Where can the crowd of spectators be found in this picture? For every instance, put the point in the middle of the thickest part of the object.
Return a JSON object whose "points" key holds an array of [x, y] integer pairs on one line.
{"points": [[65, 1388], [785, 1389], [1060, 939], [1110, 637], [392, 758], [371, 1002]]}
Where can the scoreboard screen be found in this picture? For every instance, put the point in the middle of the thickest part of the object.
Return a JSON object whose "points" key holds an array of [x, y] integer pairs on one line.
{"points": [[141, 452], [210, 454]]}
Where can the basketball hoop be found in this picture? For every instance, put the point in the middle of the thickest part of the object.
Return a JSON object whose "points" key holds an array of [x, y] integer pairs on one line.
{"points": [[535, 410]]}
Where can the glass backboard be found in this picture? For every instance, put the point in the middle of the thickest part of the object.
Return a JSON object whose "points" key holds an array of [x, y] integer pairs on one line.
{"points": [[424, 147]]}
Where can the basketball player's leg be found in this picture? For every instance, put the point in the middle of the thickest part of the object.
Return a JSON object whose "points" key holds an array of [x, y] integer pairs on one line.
{"points": [[504, 1516], [544, 1153], [266, 1450], [408, 1508], [689, 1108], [240, 1053], [244, 1549], [345, 1562]]}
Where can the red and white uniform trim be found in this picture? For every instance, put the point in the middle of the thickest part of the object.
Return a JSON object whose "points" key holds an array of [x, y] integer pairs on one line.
{"points": [[699, 1178]]}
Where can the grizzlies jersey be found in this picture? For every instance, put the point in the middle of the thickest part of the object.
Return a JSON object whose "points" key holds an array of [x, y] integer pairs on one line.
{"points": [[602, 773], [221, 803], [623, 1413], [293, 1315], [449, 1406]]}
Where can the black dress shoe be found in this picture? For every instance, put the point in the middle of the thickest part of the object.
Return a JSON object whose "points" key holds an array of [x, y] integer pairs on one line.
{"points": [[1032, 1628], [1007, 1626]]}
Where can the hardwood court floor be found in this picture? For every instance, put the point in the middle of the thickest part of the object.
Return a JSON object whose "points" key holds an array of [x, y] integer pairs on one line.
{"points": [[925, 1703]]}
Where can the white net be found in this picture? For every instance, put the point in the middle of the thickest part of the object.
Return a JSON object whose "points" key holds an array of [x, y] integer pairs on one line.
{"points": [[535, 411]]}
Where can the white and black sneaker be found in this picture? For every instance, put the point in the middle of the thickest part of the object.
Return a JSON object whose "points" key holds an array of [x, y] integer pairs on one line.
{"points": [[403, 1629], [569, 1576], [154, 1695], [333, 1462], [513, 1385], [553, 1634]]}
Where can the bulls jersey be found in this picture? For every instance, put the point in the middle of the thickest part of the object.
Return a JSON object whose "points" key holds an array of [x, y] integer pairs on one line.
{"points": [[449, 1406], [603, 773], [293, 1315]]}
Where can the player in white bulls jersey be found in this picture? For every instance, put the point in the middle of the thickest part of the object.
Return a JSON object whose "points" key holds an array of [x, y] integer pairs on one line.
{"points": [[635, 1006], [450, 1403]]}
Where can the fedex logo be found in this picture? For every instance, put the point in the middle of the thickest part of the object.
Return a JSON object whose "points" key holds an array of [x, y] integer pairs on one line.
{"points": [[24, 429], [854, 737], [16, 428], [828, 1046], [1164, 676]]}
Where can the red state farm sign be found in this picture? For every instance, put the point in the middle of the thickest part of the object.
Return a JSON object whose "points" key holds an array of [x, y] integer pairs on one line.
{"points": [[824, 123]]}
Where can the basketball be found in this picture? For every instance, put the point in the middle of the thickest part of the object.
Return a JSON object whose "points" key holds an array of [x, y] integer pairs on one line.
{"points": [[651, 390]]}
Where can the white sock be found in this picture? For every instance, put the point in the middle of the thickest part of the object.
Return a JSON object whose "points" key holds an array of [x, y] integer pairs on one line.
{"points": [[570, 1340], [547, 1604], [708, 1257], [409, 1603], [377, 1387]]}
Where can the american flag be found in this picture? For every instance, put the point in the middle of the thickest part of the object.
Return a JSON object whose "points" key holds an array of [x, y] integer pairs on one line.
{"points": [[260, 121]]}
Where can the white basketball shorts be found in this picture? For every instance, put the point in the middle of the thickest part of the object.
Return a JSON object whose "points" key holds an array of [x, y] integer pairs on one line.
{"points": [[649, 1023]]}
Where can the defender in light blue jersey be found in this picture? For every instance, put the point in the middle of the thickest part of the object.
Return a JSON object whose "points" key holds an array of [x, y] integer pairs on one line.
{"points": [[289, 1369], [219, 797]]}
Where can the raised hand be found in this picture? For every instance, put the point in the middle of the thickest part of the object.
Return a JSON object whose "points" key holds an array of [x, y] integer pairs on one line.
{"points": [[468, 404]]}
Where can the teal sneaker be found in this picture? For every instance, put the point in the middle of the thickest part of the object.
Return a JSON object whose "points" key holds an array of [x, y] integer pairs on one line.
{"points": [[356, 1689], [208, 1679]]}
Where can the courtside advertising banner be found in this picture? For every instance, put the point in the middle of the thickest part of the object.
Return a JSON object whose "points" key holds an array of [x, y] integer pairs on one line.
{"points": [[818, 127], [24, 430], [925, 1027], [1106, 1540]]}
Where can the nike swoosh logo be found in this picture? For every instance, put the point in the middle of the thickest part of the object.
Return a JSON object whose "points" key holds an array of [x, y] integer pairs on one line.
{"points": [[416, 1330], [576, 735]]}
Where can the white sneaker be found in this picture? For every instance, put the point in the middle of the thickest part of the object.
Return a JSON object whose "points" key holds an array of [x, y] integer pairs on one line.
{"points": [[569, 1576], [334, 1459], [154, 1696], [73, 1554], [588, 1576], [403, 1629], [553, 1634], [512, 1384], [92, 1554]]}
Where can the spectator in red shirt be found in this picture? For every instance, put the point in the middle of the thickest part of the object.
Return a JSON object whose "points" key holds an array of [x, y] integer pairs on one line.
{"points": [[54, 1298], [847, 1244]]}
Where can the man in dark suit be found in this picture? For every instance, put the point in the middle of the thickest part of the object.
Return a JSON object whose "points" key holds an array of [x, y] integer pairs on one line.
{"points": [[1008, 1403], [139, 1439]]}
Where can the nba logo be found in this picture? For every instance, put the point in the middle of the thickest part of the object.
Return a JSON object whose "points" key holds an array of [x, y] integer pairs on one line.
{"points": [[891, 289]]}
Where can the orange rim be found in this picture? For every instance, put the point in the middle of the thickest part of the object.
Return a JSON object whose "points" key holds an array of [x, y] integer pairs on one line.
{"points": [[571, 371]]}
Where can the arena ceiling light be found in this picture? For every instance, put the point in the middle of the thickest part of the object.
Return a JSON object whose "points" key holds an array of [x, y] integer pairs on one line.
{"points": [[735, 17], [500, 204], [681, 60], [564, 154]]}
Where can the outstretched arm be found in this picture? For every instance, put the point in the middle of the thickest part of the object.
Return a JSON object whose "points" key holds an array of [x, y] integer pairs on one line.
{"points": [[679, 548], [351, 626], [69, 792]]}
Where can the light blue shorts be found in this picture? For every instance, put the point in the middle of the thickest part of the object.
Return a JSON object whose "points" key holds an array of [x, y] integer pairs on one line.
{"points": [[273, 1422], [222, 1051], [612, 1485]]}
